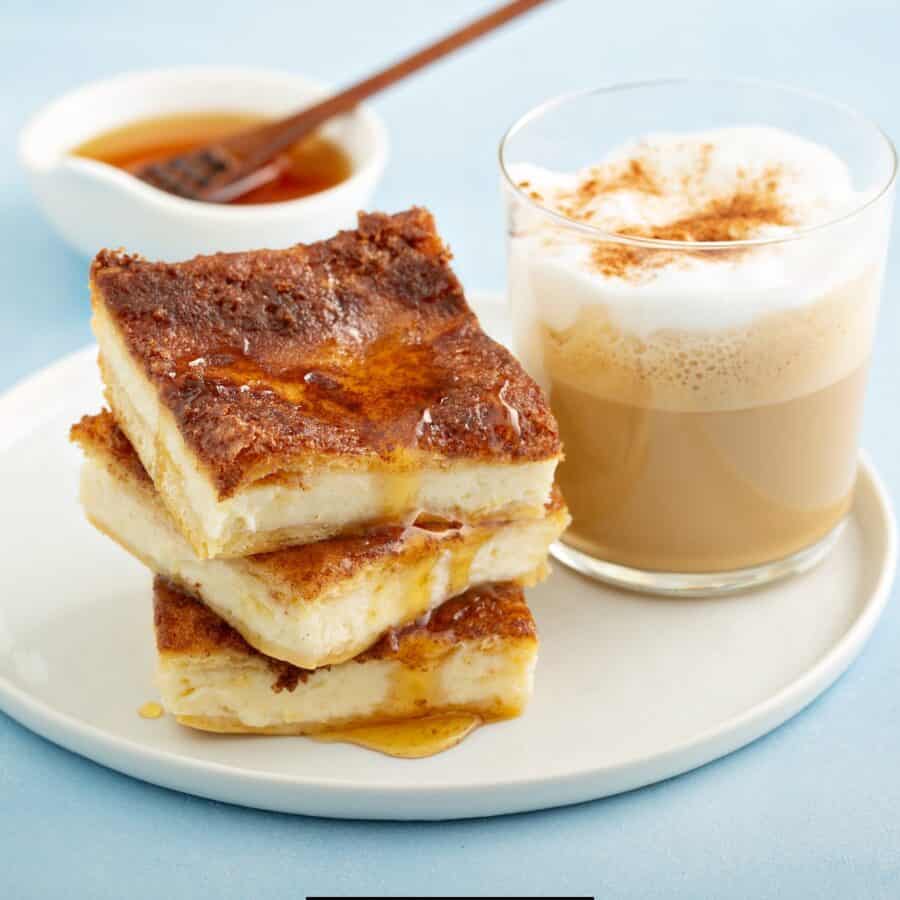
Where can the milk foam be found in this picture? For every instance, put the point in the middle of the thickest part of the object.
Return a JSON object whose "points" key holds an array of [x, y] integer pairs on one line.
{"points": [[706, 290]]}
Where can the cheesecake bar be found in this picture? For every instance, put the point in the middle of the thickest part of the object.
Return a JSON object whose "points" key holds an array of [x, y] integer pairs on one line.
{"points": [[318, 603], [475, 654], [279, 397]]}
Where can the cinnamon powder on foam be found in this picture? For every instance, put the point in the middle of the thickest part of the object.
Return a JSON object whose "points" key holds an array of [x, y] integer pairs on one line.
{"points": [[738, 215]]}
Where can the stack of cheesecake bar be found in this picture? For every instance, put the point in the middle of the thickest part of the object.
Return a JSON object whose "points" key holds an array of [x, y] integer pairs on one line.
{"points": [[340, 482]]}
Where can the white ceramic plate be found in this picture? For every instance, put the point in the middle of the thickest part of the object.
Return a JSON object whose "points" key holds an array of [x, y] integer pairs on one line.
{"points": [[630, 690]]}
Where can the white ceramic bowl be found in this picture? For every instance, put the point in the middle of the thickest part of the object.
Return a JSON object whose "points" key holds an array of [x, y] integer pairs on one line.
{"points": [[94, 205]]}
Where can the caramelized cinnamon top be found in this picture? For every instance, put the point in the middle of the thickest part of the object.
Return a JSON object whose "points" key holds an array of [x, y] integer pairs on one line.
{"points": [[186, 627], [491, 610], [100, 436], [360, 345]]}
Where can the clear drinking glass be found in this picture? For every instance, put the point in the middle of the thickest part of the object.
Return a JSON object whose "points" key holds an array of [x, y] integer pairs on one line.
{"points": [[710, 428]]}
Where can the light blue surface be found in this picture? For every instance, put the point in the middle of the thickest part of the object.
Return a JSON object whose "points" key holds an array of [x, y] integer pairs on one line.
{"points": [[812, 810]]}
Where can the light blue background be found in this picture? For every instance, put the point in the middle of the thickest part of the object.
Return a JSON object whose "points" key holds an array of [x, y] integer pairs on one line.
{"points": [[812, 810]]}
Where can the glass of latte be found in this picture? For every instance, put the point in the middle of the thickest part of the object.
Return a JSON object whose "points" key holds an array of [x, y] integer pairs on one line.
{"points": [[694, 270]]}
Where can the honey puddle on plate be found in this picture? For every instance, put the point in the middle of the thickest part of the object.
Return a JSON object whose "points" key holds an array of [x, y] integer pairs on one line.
{"points": [[151, 710], [412, 739]]}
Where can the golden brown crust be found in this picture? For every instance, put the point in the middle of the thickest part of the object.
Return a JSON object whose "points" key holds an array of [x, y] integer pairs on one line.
{"points": [[332, 349], [99, 435], [492, 711], [184, 626], [315, 565]]}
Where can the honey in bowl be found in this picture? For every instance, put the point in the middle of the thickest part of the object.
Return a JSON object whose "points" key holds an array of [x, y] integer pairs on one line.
{"points": [[311, 165]]}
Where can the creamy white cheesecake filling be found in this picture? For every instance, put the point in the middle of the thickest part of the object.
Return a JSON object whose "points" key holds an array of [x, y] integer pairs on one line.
{"points": [[329, 500], [350, 614], [493, 677]]}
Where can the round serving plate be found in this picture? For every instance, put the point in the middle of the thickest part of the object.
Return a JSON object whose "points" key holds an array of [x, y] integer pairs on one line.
{"points": [[630, 689]]}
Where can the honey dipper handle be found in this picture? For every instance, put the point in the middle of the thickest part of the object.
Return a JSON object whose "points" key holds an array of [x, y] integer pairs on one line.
{"points": [[259, 146]]}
